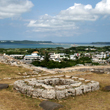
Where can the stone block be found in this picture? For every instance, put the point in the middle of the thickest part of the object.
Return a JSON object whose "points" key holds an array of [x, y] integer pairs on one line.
{"points": [[79, 90], [37, 93], [68, 86], [86, 81], [75, 78], [81, 79], [32, 83], [60, 87], [55, 81], [69, 81], [87, 88], [40, 81], [46, 81], [48, 87], [25, 74], [60, 94], [48, 94], [23, 90], [76, 84], [29, 90], [37, 85], [62, 81], [95, 86], [70, 92], [66, 76]]}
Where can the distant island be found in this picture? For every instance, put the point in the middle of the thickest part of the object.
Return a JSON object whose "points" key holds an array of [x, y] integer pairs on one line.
{"points": [[23, 42], [100, 43]]}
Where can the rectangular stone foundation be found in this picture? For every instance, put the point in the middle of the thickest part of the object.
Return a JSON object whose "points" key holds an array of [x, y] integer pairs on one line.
{"points": [[55, 88]]}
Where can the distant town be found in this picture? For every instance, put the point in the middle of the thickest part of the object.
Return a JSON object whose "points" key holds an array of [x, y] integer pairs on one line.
{"points": [[60, 57]]}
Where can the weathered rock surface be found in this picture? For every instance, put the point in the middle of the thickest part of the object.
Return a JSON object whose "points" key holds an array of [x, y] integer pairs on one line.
{"points": [[47, 105], [4, 86], [106, 88]]}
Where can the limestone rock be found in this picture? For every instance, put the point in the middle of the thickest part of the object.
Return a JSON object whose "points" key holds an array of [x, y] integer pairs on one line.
{"points": [[79, 90], [60, 94], [70, 92]]}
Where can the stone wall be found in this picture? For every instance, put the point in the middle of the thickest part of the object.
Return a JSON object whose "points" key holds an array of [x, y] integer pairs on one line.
{"points": [[96, 69], [55, 87]]}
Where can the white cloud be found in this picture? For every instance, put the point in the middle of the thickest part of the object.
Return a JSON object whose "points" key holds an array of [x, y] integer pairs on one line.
{"points": [[102, 7], [67, 19], [47, 23], [78, 12], [12, 8]]}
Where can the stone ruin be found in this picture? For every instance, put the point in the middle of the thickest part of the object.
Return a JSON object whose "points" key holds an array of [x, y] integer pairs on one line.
{"points": [[55, 88]]}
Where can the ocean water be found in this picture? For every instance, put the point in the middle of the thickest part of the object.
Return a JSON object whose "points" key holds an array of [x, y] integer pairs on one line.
{"points": [[49, 45]]}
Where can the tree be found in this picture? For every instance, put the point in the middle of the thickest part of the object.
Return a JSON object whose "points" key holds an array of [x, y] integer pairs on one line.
{"points": [[46, 59]]}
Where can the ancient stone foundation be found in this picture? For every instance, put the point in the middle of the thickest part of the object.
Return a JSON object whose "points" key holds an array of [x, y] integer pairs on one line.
{"points": [[55, 88]]}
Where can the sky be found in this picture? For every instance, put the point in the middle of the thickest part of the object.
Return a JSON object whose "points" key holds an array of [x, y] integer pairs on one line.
{"points": [[55, 20]]}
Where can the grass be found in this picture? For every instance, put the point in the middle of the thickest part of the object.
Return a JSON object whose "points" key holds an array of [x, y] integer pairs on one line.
{"points": [[11, 71], [97, 100], [12, 100]]}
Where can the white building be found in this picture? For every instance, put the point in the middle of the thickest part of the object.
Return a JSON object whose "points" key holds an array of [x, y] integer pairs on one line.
{"points": [[57, 57], [33, 56], [100, 56], [54, 56], [17, 56], [72, 57]]}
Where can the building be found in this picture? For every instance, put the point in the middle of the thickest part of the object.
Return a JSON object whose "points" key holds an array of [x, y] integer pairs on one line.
{"points": [[17, 56], [54, 56], [33, 56]]}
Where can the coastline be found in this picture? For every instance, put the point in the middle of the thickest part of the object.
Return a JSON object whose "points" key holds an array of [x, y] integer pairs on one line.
{"points": [[49, 45]]}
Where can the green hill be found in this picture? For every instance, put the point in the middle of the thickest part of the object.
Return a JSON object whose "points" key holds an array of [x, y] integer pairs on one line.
{"points": [[23, 42]]}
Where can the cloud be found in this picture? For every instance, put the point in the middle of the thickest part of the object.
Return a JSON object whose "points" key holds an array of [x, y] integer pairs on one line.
{"points": [[78, 12], [47, 23], [67, 20], [102, 7], [13, 8]]}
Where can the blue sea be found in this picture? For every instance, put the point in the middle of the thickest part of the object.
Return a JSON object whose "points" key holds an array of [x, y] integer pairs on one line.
{"points": [[49, 45]]}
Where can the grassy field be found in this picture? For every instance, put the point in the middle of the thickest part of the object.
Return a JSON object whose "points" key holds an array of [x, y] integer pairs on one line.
{"points": [[11, 71], [12, 100]]}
